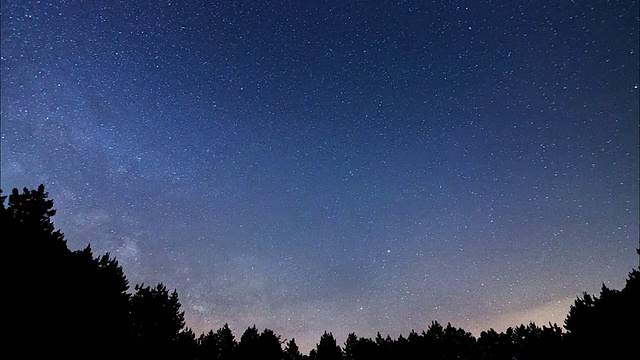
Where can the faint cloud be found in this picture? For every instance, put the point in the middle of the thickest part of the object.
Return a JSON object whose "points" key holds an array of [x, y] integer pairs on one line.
{"points": [[553, 312]]}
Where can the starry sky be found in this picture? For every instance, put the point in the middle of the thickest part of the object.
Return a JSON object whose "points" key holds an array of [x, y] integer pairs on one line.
{"points": [[349, 166]]}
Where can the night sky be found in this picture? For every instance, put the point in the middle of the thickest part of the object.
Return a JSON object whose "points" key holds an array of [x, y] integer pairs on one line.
{"points": [[345, 166]]}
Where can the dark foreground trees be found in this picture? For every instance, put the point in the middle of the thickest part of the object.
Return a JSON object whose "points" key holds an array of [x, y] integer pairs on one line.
{"points": [[70, 304], [63, 302], [610, 321]]}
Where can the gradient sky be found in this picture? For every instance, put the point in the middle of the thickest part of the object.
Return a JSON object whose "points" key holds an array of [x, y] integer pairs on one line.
{"points": [[345, 166]]}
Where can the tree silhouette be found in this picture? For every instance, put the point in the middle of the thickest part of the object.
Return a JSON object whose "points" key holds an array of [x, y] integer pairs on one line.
{"points": [[401, 348], [156, 320], [208, 346], [249, 345], [313, 354], [270, 346], [607, 322], [27, 218], [494, 346], [82, 301], [291, 351], [458, 344], [359, 348], [434, 341], [416, 345], [186, 345], [97, 305], [217, 345], [328, 349], [384, 345], [226, 343], [351, 347], [533, 342]]}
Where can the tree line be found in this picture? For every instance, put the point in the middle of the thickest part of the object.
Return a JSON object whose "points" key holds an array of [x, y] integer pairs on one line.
{"points": [[74, 305]]}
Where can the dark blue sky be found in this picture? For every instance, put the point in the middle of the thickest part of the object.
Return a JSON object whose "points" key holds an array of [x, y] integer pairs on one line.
{"points": [[341, 166]]}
